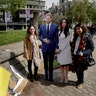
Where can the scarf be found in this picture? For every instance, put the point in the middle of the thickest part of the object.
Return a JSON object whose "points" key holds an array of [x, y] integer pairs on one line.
{"points": [[82, 46]]}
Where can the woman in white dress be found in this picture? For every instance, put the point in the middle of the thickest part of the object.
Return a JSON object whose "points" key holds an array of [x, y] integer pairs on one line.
{"points": [[64, 56]]}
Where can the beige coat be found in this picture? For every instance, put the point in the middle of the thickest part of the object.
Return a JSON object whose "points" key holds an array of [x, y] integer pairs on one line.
{"points": [[31, 50], [37, 57], [28, 48]]}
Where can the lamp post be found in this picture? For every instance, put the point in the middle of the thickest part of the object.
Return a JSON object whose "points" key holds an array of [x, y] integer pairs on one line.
{"points": [[6, 20], [26, 16]]}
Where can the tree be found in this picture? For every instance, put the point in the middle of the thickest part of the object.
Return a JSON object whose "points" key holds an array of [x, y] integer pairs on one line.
{"points": [[92, 12], [56, 18], [82, 11], [12, 5]]}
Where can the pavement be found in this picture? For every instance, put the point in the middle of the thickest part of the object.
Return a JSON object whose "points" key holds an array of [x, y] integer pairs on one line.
{"points": [[47, 88], [5, 50]]}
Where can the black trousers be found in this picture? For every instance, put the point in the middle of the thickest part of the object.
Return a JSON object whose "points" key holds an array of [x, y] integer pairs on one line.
{"points": [[30, 68], [48, 64], [79, 68]]}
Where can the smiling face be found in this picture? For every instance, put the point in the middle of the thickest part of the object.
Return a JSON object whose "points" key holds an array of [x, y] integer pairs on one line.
{"points": [[32, 30], [63, 24], [79, 30], [48, 18]]}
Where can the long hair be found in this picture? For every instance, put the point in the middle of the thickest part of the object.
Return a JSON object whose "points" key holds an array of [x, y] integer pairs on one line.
{"points": [[66, 30], [84, 28], [28, 32]]}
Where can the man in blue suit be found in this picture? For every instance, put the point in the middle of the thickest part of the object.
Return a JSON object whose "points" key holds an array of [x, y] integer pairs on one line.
{"points": [[48, 34]]}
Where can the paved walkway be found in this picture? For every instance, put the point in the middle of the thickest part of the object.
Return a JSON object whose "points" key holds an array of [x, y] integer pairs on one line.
{"points": [[46, 88], [5, 50]]}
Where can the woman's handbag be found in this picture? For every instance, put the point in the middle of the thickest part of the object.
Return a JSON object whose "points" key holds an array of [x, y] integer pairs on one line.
{"points": [[90, 61], [72, 68]]}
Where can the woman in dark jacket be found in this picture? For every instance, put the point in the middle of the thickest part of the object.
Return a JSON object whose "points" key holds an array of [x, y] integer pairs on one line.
{"points": [[81, 46]]}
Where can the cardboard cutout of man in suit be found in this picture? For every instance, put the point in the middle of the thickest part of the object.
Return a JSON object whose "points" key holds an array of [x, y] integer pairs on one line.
{"points": [[48, 34]]}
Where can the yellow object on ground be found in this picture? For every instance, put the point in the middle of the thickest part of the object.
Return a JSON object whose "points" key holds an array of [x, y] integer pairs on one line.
{"points": [[4, 81]]}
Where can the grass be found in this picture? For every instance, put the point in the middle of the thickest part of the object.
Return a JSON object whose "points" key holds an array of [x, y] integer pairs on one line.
{"points": [[11, 36], [55, 63]]}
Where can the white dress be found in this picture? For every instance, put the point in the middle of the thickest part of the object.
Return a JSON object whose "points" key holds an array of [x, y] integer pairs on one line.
{"points": [[64, 57]]}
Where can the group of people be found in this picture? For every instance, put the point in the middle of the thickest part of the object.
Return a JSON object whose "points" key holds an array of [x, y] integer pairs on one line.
{"points": [[58, 40]]}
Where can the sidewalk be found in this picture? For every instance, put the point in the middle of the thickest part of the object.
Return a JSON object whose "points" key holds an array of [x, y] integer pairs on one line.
{"points": [[46, 88], [5, 50], [11, 58]]}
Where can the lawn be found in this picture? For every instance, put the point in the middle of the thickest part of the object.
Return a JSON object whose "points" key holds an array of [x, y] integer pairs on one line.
{"points": [[56, 64], [11, 36]]}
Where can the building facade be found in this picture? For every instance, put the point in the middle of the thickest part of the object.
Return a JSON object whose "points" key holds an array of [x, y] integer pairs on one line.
{"points": [[22, 17], [63, 6]]}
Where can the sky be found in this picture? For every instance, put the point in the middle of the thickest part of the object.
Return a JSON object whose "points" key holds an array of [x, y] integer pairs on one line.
{"points": [[49, 2]]}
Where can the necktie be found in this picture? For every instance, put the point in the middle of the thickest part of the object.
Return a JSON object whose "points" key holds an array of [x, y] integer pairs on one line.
{"points": [[48, 29]]}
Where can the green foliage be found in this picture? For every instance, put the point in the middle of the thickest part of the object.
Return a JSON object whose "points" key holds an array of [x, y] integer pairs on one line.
{"points": [[40, 21], [13, 36], [82, 11], [55, 63], [56, 18], [12, 5], [4, 4]]}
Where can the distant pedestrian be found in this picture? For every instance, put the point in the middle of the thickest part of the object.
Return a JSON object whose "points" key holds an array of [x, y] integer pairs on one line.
{"points": [[92, 30], [82, 47], [64, 57], [32, 52], [48, 34]]}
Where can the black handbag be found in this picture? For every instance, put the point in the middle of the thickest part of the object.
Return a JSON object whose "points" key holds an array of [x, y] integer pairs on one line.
{"points": [[90, 61]]}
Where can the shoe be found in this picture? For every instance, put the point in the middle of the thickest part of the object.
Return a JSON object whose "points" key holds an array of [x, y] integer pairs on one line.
{"points": [[79, 86], [61, 81], [45, 78], [76, 82], [31, 79], [36, 78], [66, 81], [51, 80]]}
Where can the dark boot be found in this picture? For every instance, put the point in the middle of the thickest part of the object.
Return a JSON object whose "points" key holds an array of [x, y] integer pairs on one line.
{"points": [[35, 73], [31, 78]]}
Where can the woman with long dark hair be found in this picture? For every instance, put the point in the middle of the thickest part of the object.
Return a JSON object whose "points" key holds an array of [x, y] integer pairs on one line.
{"points": [[82, 47], [31, 51], [64, 56]]}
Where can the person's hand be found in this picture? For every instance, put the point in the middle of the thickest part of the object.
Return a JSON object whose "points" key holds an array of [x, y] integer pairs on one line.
{"points": [[80, 53], [46, 40], [57, 51]]}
